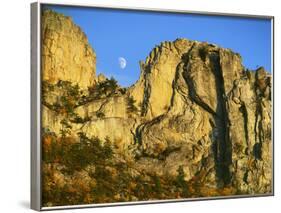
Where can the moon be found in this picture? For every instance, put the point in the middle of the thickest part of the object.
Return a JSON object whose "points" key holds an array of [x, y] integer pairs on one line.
{"points": [[122, 62]]}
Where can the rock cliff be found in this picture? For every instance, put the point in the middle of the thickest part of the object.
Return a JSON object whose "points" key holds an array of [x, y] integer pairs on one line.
{"points": [[66, 53], [196, 112]]}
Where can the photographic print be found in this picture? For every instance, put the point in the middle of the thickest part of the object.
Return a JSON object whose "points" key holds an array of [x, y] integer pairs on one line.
{"points": [[144, 106]]}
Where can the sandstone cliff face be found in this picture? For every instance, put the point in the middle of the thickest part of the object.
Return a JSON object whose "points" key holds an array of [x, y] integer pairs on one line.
{"points": [[196, 108], [157, 76], [66, 53], [212, 119]]}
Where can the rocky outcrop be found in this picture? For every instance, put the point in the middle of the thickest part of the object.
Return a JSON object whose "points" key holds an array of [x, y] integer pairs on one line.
{"points": [[157, 76], [213, 118], [194, 107], [66, 53]]}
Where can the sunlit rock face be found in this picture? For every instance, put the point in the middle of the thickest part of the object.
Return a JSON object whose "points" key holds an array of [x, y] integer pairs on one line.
{"points": [[194, 107], [66, 53], [215, 112]]}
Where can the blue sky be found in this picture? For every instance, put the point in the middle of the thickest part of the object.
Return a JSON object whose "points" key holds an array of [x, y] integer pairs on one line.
{"points": [[133, 34]]}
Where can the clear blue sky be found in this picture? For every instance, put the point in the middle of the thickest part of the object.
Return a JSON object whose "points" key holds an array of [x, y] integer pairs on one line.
{"points": [[133, 34]]}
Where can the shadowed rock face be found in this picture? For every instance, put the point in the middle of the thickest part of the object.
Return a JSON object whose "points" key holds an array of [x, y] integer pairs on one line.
{"points": [[197, 108]]}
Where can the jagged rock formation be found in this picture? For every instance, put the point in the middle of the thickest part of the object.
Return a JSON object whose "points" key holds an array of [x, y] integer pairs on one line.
{"points": [[66, 53], [194, 107]]}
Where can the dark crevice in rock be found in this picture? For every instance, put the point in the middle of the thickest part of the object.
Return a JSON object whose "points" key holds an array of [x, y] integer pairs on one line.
{"points": [[245, 178], [168, 151], [174, 84], [140, 128], [257, 150], [244, 112], [147, 89], [203, 51], [162, 156], [223, 144], [132, 130], [138, 134], [259, 132], [256, 125]]}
